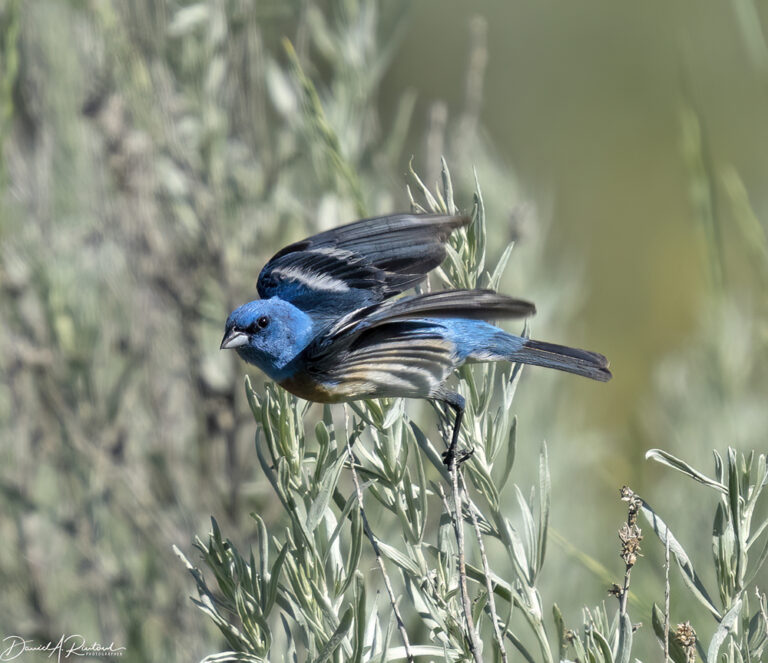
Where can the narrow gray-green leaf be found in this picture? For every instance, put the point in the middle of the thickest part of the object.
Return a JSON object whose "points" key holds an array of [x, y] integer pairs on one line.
{"points": [[689, 573], [734, 502], [602, 643], [725, 627], [509, 459], [545, 489], [498, 272], [337, 637], [359, 640], [529, 532], [398, 558], [355, 550], [624, 649], [665, 458], [426, 446], [560, 626], [274, 580], [327, 486]]}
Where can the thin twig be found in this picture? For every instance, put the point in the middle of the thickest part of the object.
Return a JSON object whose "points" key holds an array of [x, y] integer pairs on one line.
{"points": [[666, 599], [487, 571], [630, 536], [625, 592], [376, 549], [454, 471]]}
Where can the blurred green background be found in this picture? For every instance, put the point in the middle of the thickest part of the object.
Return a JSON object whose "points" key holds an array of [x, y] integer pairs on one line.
{"points": [[156, 154]]}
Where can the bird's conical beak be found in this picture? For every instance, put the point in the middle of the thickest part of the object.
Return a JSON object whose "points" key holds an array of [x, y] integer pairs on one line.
{"points": [[233, 339]]}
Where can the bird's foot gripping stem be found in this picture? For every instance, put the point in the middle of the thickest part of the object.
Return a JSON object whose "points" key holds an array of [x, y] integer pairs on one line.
{"points": [[450, 456]]}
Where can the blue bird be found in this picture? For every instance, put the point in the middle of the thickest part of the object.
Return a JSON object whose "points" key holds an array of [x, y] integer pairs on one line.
{"points": [[327, 328]]}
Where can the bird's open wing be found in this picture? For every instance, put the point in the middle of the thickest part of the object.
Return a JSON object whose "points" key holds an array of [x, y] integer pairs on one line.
{"points": [[346, 333], [394, 359], [359, 264], [401, 348], [466, 304]]}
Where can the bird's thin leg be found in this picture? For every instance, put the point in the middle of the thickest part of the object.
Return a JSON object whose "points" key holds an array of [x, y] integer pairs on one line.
{"points": [[458, 403]]}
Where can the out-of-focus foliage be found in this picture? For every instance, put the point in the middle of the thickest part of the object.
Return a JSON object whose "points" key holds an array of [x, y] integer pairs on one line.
{"points": [[154, 155]]}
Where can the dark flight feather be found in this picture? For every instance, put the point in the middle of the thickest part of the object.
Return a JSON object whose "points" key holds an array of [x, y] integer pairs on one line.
{"points": [[359, 264]]}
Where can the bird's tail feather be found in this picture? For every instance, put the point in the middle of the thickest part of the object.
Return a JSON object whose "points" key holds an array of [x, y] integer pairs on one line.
{"points": [[560, 357]]}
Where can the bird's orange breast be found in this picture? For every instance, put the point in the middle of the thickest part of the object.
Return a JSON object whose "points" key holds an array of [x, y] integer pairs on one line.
{"points": [[310, 390]]}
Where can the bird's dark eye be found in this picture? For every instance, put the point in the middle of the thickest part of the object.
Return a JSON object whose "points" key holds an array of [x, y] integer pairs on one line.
{"points": [[257, 326]]}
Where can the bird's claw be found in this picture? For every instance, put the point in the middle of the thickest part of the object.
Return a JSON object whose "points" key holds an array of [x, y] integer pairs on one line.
{"points": [[465, 456], [450, 455]]}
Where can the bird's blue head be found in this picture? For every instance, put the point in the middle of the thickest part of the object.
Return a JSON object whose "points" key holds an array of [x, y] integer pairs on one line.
{"points": [[269, 333]]}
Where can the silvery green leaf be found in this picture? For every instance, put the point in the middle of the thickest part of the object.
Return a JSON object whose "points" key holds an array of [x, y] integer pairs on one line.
{"points": [[355, 550], [415, 206], [414, 524], [581, 653], [665, 458], [373, 630], [336, 637], [253, 399], [735, 504], [431, 202], [274, 580], [428, 448], [422, 495], [432, 619], [327, 486], [263, 539], [723, 547], [560, 630], [395, 412], [624, 649], [398, 558], [483, 482], [345, 510], [686, 566], [515, 548], [545, 488], [719, 468], [509, 459], [322, 434], [726, 626], [603, 647], [529, 532], [495, 278], [440, 201], [479, 224], [359, 606]]}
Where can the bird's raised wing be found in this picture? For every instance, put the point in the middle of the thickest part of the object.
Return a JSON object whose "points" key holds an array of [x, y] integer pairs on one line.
{"points": [[358, 264]]}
